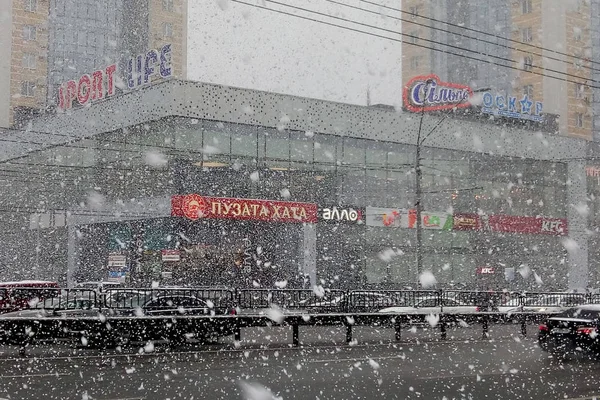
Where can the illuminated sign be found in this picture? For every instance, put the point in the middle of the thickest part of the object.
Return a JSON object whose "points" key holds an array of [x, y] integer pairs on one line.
{"points": [[431, 220], [511, 107], [430, 93], [342, 214], [102, 83], [194, 206], [388, 217], [486, 270]]}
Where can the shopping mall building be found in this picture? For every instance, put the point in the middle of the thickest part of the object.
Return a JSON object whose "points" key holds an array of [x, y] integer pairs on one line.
{"points": [[193, 183]]}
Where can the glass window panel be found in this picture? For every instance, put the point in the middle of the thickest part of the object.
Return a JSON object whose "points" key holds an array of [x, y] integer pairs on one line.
{"points": [[326, 150], [301, 147], [244, 143], [277, 146], [353, 152]]}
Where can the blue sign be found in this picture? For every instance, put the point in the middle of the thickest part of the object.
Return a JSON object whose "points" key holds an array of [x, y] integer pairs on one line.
{"points": [[511, 107]]}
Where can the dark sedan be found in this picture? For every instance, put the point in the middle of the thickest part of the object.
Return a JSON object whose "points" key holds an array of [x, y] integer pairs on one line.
{"points": [[572, 331]]}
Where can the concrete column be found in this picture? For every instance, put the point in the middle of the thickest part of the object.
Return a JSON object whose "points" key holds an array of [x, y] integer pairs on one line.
{"points": [[72, 254], [309, 252], [577, 242]]}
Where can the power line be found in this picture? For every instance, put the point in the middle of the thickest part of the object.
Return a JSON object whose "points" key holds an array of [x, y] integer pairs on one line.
{"points": [[471, 29], [462, 35], [408, 43]]}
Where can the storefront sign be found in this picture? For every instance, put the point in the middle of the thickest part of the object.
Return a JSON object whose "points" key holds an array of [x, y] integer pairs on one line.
{"points": [[171, 255], [531, 225], [102, 83], [389, 217], [486, 271], [466, 222], [194, 206], [117, 260], [341, 214], [117, 276], [511, 107], [430, 93], [431, 220], [166, 274]]}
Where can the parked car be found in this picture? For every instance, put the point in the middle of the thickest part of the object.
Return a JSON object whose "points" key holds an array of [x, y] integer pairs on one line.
{"points": [[574, 330], [433, 305], [20, 295], [551, 303]]}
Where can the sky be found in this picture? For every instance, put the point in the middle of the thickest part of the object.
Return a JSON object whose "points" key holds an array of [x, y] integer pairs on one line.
{"points": [[244, 46]]}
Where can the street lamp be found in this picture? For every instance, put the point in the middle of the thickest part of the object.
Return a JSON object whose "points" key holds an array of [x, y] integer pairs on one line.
{"points": [[419, 175]]}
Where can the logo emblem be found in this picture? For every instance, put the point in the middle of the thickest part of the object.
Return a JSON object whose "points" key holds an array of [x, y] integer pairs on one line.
{"points": [[194, 206], [430, 93]]}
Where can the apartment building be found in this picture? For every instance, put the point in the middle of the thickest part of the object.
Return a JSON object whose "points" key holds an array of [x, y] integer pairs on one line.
{"points": [[513, 47], [53, 41], [24, 64]]}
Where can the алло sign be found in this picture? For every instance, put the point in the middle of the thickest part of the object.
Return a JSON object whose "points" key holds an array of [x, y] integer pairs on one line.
{"points": [[102, 83], [341, 214], [429, 93]]}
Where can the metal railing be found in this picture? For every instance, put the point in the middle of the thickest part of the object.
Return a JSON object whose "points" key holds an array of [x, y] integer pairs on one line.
{"points": [[313, 301]]}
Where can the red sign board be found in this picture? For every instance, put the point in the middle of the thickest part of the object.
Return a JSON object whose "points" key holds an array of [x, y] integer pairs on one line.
{"points": [[171, 255], [466, 222], [532, 225], [430, 93], [194, 206]]}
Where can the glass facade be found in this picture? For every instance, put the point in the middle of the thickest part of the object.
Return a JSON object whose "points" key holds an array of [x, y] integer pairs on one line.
{"points": [[127, 169]]}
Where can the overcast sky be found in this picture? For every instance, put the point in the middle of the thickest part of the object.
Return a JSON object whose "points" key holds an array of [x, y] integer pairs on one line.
{"points": [[241, 45]]}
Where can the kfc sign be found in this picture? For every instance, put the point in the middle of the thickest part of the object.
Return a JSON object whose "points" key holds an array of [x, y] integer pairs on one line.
{"points": [[486, 270], [531, 225], [101, 84], [194, 207], [335, 214], [430, 93]]}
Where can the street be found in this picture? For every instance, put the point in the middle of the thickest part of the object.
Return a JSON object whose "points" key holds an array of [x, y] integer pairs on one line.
{"points": [[419, 367]]}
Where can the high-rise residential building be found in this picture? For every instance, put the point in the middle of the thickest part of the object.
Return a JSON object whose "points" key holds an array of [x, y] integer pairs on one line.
{"points": [[23, 66], [512, 47], [87, 35], [53, 41]]}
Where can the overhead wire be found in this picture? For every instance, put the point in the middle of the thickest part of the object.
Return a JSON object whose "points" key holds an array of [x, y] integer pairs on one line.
{"points": [[511, 61], [466, 28]]}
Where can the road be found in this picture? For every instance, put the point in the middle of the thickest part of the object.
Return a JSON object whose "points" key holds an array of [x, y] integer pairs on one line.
{"points": [[419, 367]]}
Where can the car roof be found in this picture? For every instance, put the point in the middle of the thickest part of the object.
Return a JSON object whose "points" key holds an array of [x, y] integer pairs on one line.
{"points": [[589, 307]]}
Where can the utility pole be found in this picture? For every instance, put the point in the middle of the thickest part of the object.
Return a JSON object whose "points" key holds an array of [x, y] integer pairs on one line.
{"points": [[418, 191], [419, 174]]}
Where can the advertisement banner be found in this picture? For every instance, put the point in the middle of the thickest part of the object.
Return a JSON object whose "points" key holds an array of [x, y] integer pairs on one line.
{"points": [[194, 206], [466, 222], [388, 217], [531, 225], [117, 276], [117, 260], [342, 214], [171, 255], [431, 220]]}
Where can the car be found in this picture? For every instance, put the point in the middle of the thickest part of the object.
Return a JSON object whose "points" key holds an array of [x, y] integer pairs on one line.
{"points": [[20, 295], [549, 304], [49, 308], [433, 305], [572, 331]]}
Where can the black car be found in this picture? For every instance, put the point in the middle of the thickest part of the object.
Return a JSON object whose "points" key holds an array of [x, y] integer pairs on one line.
{"points": [[572, 331]]}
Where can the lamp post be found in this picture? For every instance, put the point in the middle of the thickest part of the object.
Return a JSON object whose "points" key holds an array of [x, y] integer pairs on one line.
{"points": [[419, 175]]}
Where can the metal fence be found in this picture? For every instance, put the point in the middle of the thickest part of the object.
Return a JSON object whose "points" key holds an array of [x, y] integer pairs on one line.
{"points": [[313, 301]]}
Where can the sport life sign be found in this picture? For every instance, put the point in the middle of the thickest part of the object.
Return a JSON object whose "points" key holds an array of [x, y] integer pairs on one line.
{"points": [[430, 93], [101, 84]]}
